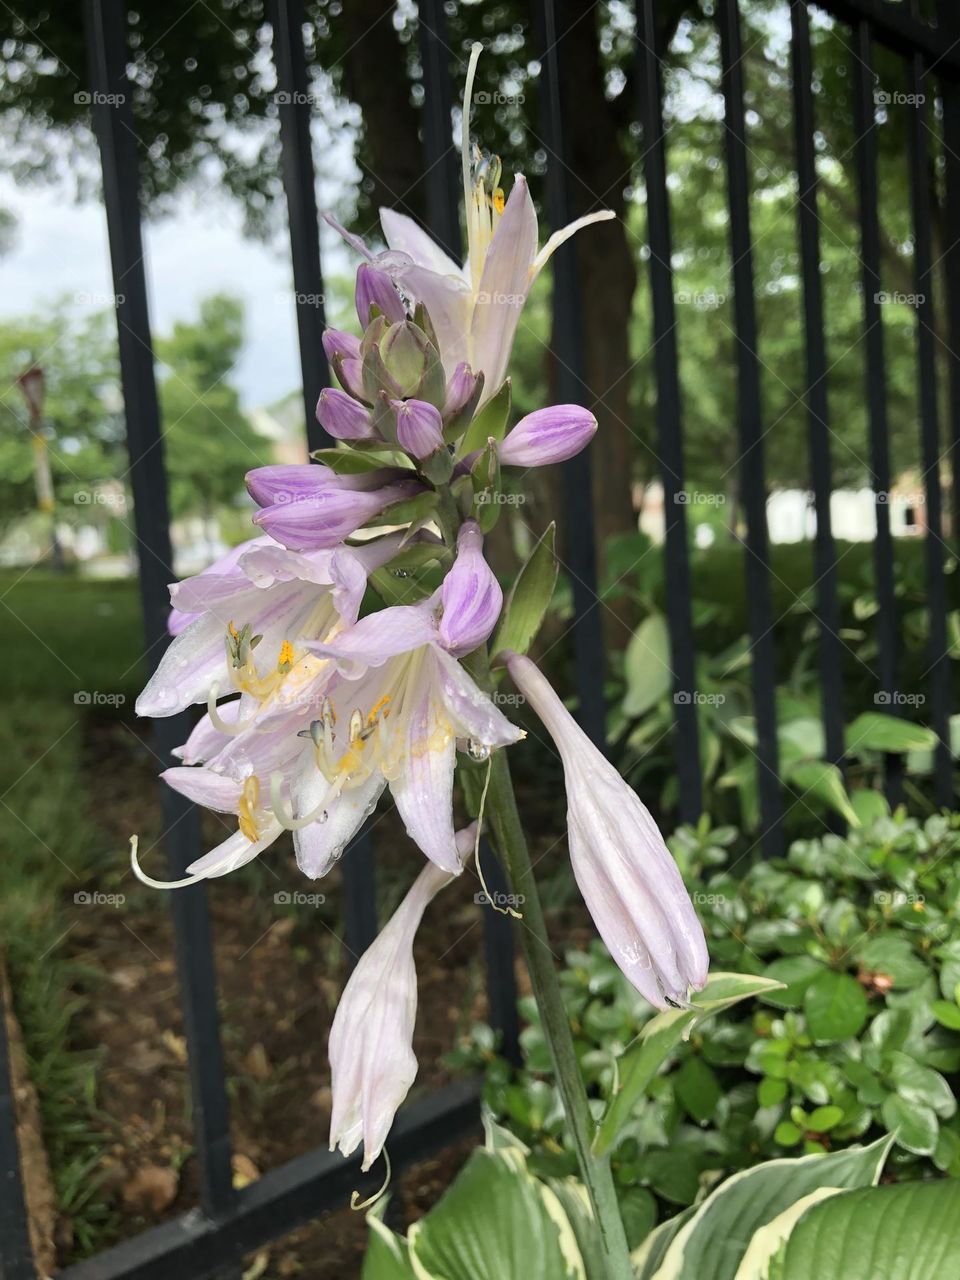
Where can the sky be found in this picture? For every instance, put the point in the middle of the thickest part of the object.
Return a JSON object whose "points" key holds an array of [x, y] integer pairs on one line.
{"points": [[60, 250]]}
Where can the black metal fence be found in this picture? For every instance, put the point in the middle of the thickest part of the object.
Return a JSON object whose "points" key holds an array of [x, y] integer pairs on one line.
{"points": [[228, 1223]]}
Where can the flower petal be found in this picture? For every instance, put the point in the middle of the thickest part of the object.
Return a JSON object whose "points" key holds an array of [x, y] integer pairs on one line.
{"points": [[473, 713], [503, 288], [424, 791], [471, 595], [203, 786], [403, 235], [548, 435], [319, 845], [378, 637]]}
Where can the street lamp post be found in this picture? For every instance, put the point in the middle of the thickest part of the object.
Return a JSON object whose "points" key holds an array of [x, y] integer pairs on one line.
{"points": [[31, 384]]}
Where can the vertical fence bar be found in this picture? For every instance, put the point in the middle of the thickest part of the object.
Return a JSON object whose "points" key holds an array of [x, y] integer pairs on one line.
{"points": [[750, 423], [16, 1255], [440, 157], [669, 415], [115, 131], [294, 105], [579, 538], [865, 127], [948, 21], [920, 195], [815, 392], [443, 203]]}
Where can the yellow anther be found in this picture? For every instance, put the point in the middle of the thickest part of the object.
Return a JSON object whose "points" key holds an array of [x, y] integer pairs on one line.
{"points": [[233, 630], [246, 811], [286, 659], [498, 200], [377, 707]]}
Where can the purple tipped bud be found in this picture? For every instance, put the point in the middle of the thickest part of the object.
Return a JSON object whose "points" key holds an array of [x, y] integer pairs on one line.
{"points": [[343, 352], [471, 595], [343, 417], [375, 289], [419, 427], [459, 389], [548, 435], [340, 345]]}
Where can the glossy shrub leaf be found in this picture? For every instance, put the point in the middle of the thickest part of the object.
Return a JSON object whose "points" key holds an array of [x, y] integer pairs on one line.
{"points": [[914, 1125], [835, 1007], [646, 666], [639, 1064], [825, 782], [878, 732], [906, 1231], [529, 597], [713, 1242]]}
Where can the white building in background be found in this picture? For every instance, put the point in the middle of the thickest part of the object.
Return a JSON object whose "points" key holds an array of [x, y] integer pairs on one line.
{"points": [[791, 516]]}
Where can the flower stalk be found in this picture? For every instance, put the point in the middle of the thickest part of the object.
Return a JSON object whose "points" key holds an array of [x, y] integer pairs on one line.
{"points": [[503, 817]]}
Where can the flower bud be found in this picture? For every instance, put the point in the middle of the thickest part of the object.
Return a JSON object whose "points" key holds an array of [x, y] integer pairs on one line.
{"points": [[375, 289], [343, 417], [419, 427], [548, 435]]}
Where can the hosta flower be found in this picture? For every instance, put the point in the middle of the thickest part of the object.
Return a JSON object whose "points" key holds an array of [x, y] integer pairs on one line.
{"points": [[309, 508], [542, 438], [371, 1042], [624, 870], [403, 705], [240, 627], [474, 309]]}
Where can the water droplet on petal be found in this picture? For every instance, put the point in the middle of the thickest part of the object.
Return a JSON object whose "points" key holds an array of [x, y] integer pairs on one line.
{"points": [[478, 750]]}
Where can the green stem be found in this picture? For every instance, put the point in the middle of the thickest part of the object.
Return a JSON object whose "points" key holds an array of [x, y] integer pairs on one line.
{"points": [[512, 844]]}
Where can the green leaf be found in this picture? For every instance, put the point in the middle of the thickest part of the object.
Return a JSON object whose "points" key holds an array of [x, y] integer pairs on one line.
{"points": [[640, 1063], [835, 1007], [870, 806], [796, 973], [698, 1089], [947, 1014], [491, 421], [771, 1092], [487, 488], [922, 1085], [712, 1243], [906, 1231], [787, 1134], [646, 666], [349, 462], [388, 1255], [638, 1209], [496, 1219], [765, 1244], [823, 1119], [825, 781], [877, 732], [915, 1127], [529, 597], [647, 1258]]}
